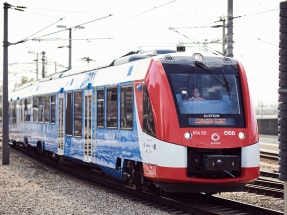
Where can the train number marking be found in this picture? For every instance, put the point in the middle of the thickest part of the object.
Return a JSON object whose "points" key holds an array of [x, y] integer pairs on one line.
{"points": [[199, 133]]}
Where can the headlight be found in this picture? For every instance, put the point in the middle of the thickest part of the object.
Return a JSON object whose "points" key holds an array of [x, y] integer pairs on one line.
{"points": [[187, 135]]}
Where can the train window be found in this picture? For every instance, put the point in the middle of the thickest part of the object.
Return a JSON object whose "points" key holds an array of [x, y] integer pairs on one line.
{"points": [[100, 107], [148, 122], [35, 109], [126, 107], [21, 104], [78, 114], [47, 109], [112, 107], [41, 109], [69, 125], [27, 110], [13, 112], [203, 99], [52, 115]]}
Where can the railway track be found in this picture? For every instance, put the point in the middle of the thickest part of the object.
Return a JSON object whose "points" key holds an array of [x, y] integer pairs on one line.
{"points": [[196, 204], [267, 184], [268, 155]]}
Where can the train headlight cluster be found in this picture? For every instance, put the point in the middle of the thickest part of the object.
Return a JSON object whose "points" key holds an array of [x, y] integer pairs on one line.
{"points": [[187, 135], [241, 135]]}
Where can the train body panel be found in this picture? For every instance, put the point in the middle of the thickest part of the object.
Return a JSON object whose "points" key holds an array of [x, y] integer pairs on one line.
{"points": [[141, 121]]}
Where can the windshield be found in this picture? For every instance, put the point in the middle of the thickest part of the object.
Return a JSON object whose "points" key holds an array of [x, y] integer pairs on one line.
{"points": [[201, 100]]}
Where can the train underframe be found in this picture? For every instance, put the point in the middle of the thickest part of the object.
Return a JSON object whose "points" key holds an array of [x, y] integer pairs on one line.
{"points": [[207, 170]]}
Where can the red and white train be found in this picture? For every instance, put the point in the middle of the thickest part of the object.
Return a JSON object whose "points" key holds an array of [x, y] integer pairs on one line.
{"points": [[175, 121]]}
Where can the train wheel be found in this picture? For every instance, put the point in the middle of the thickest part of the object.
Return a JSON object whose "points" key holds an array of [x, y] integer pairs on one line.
{"points": [[39, 149], [158, 191]]}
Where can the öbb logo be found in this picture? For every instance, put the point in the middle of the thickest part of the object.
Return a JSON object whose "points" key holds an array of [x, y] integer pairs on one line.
{"points": [[229, 132]]}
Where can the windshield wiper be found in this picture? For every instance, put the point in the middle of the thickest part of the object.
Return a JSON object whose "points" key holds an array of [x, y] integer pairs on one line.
{"points": [[221, 80], [226, 84]]}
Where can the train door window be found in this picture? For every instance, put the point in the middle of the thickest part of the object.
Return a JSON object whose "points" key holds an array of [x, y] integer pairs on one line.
{"points": [[78, 114], [126, 107], [35, 109], [100, 107], [69, 125], [112, 108], [148, 122], [47, 109], [21, 102], [14, 112], [52, 115], [41, 109], [26, 110]]}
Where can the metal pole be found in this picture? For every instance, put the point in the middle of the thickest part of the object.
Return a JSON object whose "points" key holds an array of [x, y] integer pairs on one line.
{"points": [[230, 29], [282, 101], [43, 64], [5, 116], [37, 68], [46, 61], [285, 198], [70, 48], [223, 36]]}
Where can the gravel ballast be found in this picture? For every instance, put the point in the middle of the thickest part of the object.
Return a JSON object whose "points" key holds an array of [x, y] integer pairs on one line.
{"points": [[28, 188]]}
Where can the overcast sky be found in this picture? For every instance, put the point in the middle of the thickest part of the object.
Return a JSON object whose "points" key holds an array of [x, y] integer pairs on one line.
{"points": [[134, 25]]}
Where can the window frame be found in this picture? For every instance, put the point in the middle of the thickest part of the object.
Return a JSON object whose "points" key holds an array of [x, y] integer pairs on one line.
{"points": [[74, 114], [53, 103], [110, 114], [35, 116], [41, 100], [69, 112], [132, 106], [103, 100], [47, 99]]}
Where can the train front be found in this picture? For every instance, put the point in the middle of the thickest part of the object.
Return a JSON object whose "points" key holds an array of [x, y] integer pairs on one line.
{"points": [[199, 129]]}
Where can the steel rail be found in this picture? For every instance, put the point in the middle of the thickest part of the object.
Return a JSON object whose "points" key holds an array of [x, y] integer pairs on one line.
{"points": [[196, 204]]}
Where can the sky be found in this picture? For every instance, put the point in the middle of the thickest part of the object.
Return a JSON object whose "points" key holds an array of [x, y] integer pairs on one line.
{"points": [[114, 28]]}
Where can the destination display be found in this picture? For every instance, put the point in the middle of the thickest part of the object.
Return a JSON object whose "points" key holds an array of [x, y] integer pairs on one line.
{"points": [[211, 121]]}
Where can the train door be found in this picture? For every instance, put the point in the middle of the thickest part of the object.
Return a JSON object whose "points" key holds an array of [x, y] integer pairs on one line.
{"points": [[61, 124], [88, 126]]}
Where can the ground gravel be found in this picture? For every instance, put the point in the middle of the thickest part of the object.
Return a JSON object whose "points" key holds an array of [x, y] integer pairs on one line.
{"points": [[28, 188]]}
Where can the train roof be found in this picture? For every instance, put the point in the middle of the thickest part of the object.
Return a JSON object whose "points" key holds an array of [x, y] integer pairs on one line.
{"points": [[164, 55]]}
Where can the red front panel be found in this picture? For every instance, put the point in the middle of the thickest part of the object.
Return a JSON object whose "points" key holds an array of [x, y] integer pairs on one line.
{"points": [[166, 121], [179, 175]]}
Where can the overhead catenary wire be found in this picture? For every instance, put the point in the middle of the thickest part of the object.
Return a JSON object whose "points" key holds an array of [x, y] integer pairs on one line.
{"points": [[141, 13], [196, 42], [22, 41], [45, 28], [68, 11], [56, 39], [267, 42]]}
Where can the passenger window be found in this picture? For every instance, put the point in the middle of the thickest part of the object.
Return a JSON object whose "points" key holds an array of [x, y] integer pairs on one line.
{"points": [[41, 109], [47, 109], [21, 102], [35, 109], [27, 110], [100, 108], [52, 116], [148, 121], [69, 125], [126, 107], [78, 114], [112, 108]]}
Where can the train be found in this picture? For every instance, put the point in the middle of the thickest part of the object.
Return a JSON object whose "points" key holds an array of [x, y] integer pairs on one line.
{"points": [[160, 120]]}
